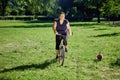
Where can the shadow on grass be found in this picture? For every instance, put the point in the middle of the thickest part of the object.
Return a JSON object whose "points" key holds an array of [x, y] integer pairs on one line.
{"points": [[101, 29], [83, 24], [28, 26], [23, 67], [116, 63], [40, 21], [32, 24], [96, 61], [108, 35]]}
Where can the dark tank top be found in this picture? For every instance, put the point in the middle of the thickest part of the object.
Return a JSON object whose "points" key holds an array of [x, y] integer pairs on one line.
{"points": [[61, 28]]}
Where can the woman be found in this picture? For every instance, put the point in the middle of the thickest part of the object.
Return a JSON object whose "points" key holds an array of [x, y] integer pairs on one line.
{"points": [[61, 26]]}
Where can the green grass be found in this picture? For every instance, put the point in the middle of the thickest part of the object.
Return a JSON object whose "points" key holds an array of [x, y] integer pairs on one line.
{"points": [[27, 52]]}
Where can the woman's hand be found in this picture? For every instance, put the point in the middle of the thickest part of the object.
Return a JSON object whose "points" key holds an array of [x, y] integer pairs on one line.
{"points": [[70, 34], [56, 33]]}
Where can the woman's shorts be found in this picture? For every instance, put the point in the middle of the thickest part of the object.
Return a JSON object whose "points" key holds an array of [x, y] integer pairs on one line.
{"points": [[58, 40]]}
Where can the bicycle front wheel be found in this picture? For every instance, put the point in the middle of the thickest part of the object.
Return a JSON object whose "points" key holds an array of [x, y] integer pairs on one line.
{"points": [[62, 57]]}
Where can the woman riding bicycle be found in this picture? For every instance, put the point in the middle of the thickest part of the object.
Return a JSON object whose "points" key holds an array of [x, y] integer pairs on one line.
{"points": [[61, 26]]}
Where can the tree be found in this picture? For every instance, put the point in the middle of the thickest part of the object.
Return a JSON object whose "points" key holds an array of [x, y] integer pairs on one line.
{"points": [[29, 7], [98, 4], [0, 8], [50, 7], [55, 9], [86, 5], [65, 5], [111, 9], [37, 7], [3, 5]]}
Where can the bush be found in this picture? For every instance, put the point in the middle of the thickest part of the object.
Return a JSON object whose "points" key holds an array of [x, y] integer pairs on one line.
{"points": [[44, 18], [14, 12]]}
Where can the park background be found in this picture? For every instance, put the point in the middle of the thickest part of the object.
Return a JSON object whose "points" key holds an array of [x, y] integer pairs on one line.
{"points": [[84, 10], [27, 42]]}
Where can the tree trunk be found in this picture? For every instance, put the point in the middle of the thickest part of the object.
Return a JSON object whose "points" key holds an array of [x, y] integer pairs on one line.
{"points": [[113, 22], [4, 5], [3, 8], [98, 13]]}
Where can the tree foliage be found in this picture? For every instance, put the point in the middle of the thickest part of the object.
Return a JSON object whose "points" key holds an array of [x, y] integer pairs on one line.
{"points": [[85, 9], [90, 5], [111, 8]]}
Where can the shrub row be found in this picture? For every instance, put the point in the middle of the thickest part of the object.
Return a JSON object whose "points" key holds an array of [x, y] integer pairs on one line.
{"points": [[16, 17], [24, 18]]}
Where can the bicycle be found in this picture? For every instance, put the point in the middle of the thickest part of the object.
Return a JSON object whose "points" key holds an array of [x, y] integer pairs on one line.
{"points": [[61, 55]]}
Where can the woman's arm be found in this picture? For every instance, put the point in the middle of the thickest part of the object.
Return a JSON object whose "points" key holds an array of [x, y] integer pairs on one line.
{"points": [[69, 29], [54, 28]]}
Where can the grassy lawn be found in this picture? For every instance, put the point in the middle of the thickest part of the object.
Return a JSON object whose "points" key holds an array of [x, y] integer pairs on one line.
{"points": [[27, 52]]}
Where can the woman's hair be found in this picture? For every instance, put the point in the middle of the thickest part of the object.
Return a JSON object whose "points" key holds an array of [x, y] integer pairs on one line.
{"points": [[62, 13]]}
